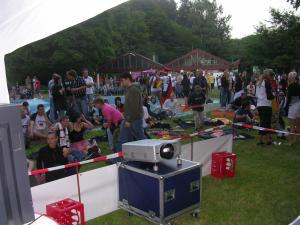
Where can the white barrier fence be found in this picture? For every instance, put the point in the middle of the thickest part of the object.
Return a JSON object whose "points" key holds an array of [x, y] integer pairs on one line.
{"points": [[99, 187]]}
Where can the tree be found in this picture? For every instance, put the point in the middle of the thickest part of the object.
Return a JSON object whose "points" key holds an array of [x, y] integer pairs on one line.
{"points": [[151, 27], [276, 46], [207, 22], [294, 3]]}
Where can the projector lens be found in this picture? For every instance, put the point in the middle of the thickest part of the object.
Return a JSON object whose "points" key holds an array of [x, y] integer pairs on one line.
{"points": [[167, 151]]}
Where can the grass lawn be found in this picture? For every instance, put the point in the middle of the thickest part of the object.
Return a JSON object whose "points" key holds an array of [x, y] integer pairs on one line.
{"points": [[265, 191]]}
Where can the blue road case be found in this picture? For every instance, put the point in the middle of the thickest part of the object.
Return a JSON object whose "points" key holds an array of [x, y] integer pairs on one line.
{"points": [[159, 196]]}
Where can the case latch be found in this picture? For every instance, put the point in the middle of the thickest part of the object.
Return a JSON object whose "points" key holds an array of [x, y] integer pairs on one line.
{"points": [[170, 195], [195, 186]]}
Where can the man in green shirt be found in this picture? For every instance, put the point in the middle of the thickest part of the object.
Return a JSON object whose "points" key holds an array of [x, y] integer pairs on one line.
{"points": [[132, 125]]}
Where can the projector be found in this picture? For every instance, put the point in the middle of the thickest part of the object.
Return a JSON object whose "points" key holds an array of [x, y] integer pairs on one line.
{"points": [[152, 150]]}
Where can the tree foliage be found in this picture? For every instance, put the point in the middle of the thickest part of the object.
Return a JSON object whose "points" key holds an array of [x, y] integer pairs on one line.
{"points": [[294, 3], [150, 27], [276, 46]]}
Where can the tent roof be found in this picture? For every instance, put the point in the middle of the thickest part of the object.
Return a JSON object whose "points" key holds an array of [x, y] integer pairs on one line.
{"points": [[23, 22]]}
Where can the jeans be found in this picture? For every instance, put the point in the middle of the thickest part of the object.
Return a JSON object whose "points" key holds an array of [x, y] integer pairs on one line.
{"points": [[90, 97], [198, 118], [110, 138], [133, 133], [224, 95], [81, 105]]}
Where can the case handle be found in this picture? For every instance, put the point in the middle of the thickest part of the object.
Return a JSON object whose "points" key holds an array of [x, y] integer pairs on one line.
{"points": [[195, 186], [170, 195]]}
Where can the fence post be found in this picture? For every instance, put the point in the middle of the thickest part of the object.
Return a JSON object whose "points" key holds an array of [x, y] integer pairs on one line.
{"points": [[78, 184]]}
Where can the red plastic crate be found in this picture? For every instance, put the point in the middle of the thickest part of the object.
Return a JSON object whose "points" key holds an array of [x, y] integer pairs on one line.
{"points": [[223, 164], [66, 212]]}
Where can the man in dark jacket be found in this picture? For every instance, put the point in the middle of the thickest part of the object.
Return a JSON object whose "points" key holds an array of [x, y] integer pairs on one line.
{"points": [[132, 126], [201, 81], [196, 101], [52, 155]]}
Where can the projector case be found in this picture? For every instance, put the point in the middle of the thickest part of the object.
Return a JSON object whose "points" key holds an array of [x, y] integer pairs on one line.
{"points": [[163, 195]]}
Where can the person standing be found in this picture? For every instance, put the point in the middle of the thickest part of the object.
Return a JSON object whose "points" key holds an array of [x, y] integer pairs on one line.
{"points": [[238, 87], [78, 90], [283, 84], [89, 82], [186, 87], [196, 101], [156, 85], [132, 125], [210, 81], [201, 81], [28, 85], [37, 87], [59, 99], [224, 90], [68, 94], [293, 105], [52, 115], [264, 106]]}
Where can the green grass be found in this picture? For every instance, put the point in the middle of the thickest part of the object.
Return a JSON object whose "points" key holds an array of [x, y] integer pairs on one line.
{"points": [[265, 190]]}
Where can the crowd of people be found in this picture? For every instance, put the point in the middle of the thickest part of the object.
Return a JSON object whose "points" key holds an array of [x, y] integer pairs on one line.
{"points": [[75, 108], [273, 97]]}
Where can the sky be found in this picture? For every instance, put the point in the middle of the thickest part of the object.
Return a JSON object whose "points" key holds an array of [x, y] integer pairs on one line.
{"points": [[246, 14]]}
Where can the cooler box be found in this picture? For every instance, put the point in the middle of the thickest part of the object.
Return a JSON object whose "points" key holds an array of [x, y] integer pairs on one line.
{"points": [[162, 195]]}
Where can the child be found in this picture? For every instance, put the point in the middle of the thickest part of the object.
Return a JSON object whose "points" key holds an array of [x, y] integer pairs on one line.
{"points": [[196, 101]]}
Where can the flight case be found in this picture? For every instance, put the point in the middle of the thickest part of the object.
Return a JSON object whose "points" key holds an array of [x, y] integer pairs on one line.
{"points": [[159, 196]]}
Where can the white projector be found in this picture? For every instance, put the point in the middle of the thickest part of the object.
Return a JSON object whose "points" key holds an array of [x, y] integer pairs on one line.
{"points": [[151, 150]]}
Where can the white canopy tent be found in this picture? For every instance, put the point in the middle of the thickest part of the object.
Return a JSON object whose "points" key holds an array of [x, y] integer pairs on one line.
{"points": [[26, 21]]}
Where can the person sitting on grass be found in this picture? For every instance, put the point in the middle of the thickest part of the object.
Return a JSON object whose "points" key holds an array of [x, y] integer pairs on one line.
{"points": [[78, 125], [170, 106], [62, 130], [39, 124], [243, 114], [155, 109], [196, 101], [26, 107], [50, 156], [92, 114]]}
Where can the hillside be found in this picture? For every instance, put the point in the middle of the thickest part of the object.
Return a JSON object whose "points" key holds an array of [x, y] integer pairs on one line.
{"points": [[148, 27]]}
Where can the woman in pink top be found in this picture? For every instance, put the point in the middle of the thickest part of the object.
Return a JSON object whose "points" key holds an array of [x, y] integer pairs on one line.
{"points": [[110, 114], [113, 119]]}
